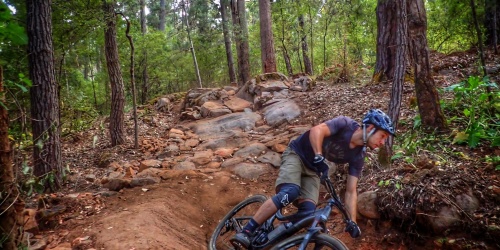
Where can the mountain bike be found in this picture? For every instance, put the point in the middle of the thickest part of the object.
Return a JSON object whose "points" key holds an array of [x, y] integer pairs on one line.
{"points": [[275, 235]]}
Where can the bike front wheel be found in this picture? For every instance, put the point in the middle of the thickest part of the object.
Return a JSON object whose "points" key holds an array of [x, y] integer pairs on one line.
{"points": [[318, 241], [234, 221]]}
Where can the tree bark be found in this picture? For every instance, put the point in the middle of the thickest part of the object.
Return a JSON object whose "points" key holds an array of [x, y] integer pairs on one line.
{"points": [[10, 202], [116, 123], [427, 96], [145, 77], [386, 40], [227, 40], [492, 10], [163, 14], [44, 93], [305, 56], [193, 52], [286, 56], [241, 38], [268, 56], [399, 75]]}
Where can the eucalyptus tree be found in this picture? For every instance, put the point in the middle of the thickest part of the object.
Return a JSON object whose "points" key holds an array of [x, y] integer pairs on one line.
{"points": [[227, 39], [116, 122], [44, 94], [240, 29], [266, 37], [145, 84]]}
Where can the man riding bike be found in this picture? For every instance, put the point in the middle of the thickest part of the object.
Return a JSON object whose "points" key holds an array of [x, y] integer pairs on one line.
{"points": [[339, 140]]}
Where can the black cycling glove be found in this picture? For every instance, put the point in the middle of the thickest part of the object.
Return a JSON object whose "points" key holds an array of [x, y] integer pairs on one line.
{"points": [[321, 166], [353, 229]]}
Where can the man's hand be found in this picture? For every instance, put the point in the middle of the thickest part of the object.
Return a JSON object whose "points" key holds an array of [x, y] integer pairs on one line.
{"points": [[353, 229], [321, 166]]}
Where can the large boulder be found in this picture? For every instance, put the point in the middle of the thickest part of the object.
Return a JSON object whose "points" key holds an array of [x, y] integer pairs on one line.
{"points": [[243, 121], [280, 111]]}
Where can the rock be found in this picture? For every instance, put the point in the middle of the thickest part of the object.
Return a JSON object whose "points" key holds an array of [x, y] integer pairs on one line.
{"points": [[150, 172], [367, 206], [213, 164], [439, 221], [163, 105], [224, 152], [192, 143], [250, 170], [28, 220], [90, 177], [139, 182], [279, 148], [116, 184], [40, 244], [229, 139], [231, 162], [254, 149], [214, 109], [270, 157], [279, 112], [202, 157], [237, 121], [467, 202], [236, 104], [173, 174], [149, 164], [185, 165], [176, 133]]}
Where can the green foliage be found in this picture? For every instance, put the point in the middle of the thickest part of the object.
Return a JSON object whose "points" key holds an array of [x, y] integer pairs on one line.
{"points": [[391, 183], [10, 31], [475, 111]]}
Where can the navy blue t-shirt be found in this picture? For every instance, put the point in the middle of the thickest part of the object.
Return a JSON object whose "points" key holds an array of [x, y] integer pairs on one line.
{"points": [[335, 147]]}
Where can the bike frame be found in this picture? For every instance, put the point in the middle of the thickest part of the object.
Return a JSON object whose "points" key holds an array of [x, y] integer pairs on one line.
{"points": [[316, 222]]}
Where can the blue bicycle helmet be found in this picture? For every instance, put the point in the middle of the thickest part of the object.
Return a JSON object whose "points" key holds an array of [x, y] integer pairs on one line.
{"points": [[381, 121]]}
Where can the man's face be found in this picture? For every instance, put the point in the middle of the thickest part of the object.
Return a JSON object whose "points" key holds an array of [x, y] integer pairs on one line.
{"points": [[377, 139]]}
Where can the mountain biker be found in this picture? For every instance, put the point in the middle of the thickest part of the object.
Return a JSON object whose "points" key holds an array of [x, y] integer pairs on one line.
{"points": [[339, 140]]}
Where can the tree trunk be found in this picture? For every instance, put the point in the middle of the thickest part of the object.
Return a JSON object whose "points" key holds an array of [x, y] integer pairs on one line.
{"points": [[328, 20], [163, 14], [479, 37], [386, 41], [116, 123], [145, 78], [268, 56], [44, 93], [305, 56], [11, 204], [399, 75], [286, 56], [227, 40], [193, 53], [425, 88], [492, 10], [241, 38]]}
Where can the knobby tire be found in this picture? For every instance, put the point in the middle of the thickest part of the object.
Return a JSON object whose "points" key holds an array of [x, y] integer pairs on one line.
{"points": [[328, 242], [212, 245]]}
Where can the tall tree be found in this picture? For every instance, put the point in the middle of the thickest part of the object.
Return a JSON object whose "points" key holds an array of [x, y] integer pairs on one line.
{"points": [[491, 21], [266, 37], [191, 48], [145, 77], [163, 14], [305, 56], [399, 73], [427, 96], [227, 40], [286, 55], [386, 38], [44, 93], [240, 27], [116, 123]]}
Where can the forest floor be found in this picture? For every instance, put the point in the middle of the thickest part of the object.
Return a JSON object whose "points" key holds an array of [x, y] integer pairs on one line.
{"points": [[181, 212]]}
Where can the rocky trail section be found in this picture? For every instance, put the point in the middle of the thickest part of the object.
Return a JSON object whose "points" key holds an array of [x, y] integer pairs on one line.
{"points": [[204, 151]]}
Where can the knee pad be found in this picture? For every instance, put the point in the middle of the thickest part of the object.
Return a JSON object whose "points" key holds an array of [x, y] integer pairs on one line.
{"points": [[288, 192], [306, 207]]}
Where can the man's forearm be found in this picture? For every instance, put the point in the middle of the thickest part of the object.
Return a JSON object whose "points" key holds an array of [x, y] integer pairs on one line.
{"points": [[351, 201]]}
